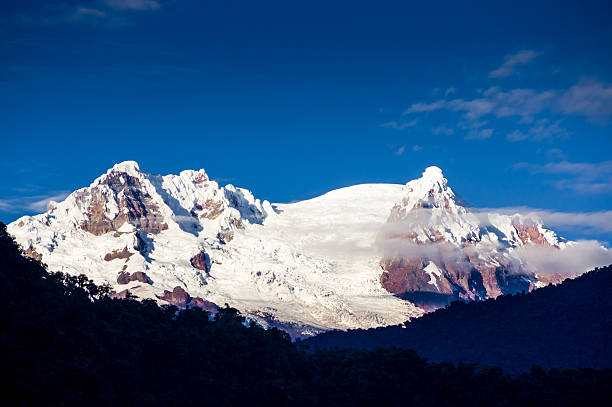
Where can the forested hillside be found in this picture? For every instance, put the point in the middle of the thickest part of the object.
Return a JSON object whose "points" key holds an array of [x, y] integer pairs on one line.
{"points": [[565, 325], [64, 341]]}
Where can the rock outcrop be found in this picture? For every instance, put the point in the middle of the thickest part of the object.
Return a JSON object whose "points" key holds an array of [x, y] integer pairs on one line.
{"points": [[180, 298], [125, 277], [118, 198], [33, 254], [118, 254], [199, 261]]}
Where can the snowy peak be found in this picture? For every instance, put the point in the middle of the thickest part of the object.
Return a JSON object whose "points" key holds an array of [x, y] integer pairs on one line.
{"points": [[429, 192], [472, 253], [129, 167], [127, 198], [433, 178]]}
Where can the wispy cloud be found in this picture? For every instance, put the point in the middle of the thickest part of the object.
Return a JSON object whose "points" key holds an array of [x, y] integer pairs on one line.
{"points": [[517, 102], [590, 98], [542, 130], [400, 126], [581, 177], [400, 150], [587, 223], [538, 113], [512, 62], [85, 11], [447, 131], [450, 91], [479, 134], [133, 4], [33, 203], [426, 107], [107, 13]]}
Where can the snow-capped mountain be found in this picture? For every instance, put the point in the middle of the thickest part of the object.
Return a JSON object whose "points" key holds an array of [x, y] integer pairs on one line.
{"points": [[347, 259], [436, 249]]}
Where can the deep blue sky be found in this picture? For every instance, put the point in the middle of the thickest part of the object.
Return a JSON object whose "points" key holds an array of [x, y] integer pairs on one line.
{"points": [[293, 99]]}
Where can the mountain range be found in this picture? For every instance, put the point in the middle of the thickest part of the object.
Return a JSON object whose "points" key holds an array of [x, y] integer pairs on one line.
{"points": [[358, 257]]}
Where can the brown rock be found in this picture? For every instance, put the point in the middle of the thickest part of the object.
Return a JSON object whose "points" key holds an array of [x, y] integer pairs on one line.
{"points": [[530, 234], [33, 254], [178, 296], [125, 277], [466, 276], [199, 261], [211, 209], [135, 206], [225, 235], [205, 305], [201, 178], [118, 254]]}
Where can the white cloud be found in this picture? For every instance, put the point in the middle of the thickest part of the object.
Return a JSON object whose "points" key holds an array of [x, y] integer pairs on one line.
{"points": [[589, 98], [476, 134], [542, 130], [587, 223], [450, 91], [416, 148], [133, 4], [473, 109], [447, 131], [511, 63], [425, 107], [400, 126], [400, 150], [520, 102], [517, 102], [572, 260], [34, 203], [84, 11], [581, 177]]}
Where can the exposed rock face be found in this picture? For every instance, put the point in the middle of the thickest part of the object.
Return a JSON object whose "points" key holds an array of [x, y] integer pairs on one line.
{"points": [[530, 233], [125, 277], [208, 306], [211, 209], [199, 261], [225, 235], [118, 254], [437, 251], [130, 201], [32, 253], [179, 297]]}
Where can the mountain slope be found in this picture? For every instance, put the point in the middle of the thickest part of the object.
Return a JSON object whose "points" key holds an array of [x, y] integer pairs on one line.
{"points": [[222, 245], [567, 325], [358, 257]]}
